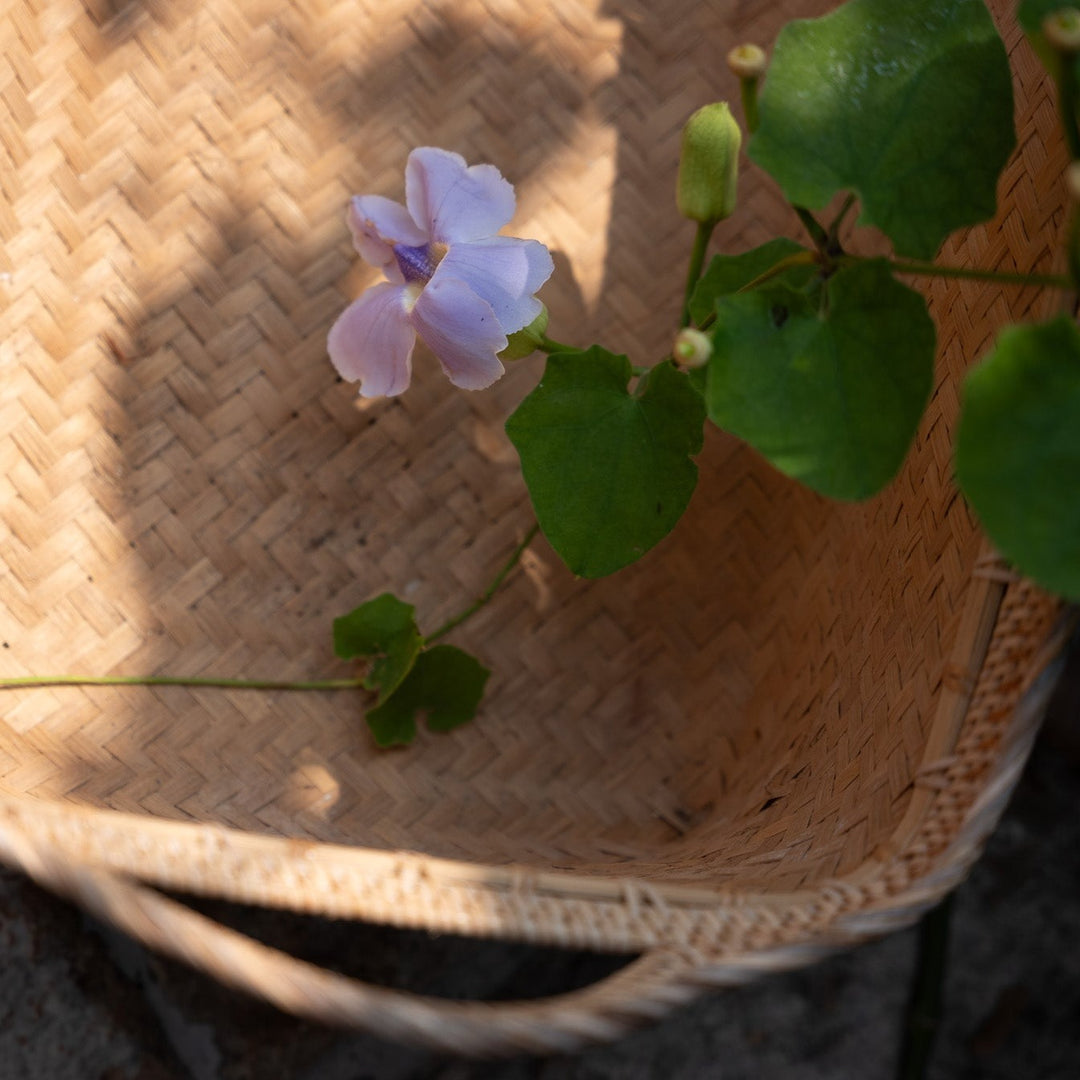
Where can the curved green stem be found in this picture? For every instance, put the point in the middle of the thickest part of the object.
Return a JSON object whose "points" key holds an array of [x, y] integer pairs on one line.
{"points": [[814, 228], [266, 684], [1072, 250], [800, 258], [488, 593], [927, 269], [697, 260], [838, 221], [547, 345], [1050, 281], [748, 93], [1066, 92], [178, 680]]}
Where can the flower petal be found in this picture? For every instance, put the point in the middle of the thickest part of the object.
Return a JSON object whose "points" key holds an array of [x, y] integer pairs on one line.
{"points": [[455, 202], [377, 224], [461, 330], [372, 341], [505, 272]]}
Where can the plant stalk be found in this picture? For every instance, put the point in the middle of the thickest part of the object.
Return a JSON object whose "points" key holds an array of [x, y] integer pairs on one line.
{"points": [[547, 345], [174, 680], [814, 228], [697, 260], [838, 221], [488, 593], [1066, 92], [25, 681], [800, 258], [748, 93], [928, 269], [1072, 240]]}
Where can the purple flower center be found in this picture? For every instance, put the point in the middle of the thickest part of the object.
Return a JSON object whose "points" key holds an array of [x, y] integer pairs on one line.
{"points": [[417, 264]]}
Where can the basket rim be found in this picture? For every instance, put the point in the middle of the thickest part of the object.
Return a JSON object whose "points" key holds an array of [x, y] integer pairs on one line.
{"points": [[521, 902]]}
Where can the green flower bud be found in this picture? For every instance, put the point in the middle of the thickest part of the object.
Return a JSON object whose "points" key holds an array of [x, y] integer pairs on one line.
{"points": [[709, 165], [692, 348], [747, 61], [1062, 30], [527, 340]]}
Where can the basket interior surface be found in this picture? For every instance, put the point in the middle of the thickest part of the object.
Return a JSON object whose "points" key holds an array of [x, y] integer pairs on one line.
{"points": [[185, 488]]}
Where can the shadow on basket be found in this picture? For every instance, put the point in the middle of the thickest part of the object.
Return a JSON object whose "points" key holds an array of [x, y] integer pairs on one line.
{"points": [[786, 729]]}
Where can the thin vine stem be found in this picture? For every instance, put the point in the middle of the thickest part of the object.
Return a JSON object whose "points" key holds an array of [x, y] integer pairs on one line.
{"points": [[1066, 92], [178, 680], [488, 593], [814, 228], [900, 266], [546, 344], [1072, 250], [927, 269], [748, 94], [838, 221], [30, 681], [800, 258], [697, 260]]}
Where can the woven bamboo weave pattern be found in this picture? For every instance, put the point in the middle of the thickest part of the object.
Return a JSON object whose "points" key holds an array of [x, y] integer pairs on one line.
{"points": [[786, 696]]}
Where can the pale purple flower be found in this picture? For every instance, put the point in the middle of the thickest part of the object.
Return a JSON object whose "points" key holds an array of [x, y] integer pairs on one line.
{"points": [[450, 278]]}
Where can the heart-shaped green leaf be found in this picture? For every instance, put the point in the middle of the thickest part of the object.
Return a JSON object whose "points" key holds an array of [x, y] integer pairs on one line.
{"points": [[385, 629], [909, 104], [1018, 450], [609, 472], [729, 273], [832, 395], [445, 683]]}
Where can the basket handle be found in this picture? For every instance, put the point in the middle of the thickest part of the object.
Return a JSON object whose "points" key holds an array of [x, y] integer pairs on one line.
{"points": [[646, 990]]}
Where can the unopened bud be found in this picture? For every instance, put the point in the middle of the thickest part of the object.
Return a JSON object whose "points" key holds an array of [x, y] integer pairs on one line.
{"points": [[709, 165], [1062, 30], [747, 61], [527, 340], [692, 348]]}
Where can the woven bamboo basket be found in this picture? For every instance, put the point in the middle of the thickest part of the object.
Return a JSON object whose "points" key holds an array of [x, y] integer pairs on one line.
{"points": [[787, 729]]}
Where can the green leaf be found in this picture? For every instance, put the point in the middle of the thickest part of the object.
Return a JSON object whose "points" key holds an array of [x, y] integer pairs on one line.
{"points": [[609, 472], [383, 628], [833, 396], [445, 683], [909, 104], [729, 273], [1018, 450]]}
